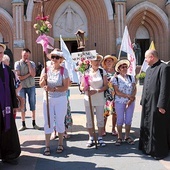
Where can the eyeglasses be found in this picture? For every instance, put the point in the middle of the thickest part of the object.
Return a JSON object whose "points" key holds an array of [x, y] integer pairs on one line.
{"points": [[55, 57]]}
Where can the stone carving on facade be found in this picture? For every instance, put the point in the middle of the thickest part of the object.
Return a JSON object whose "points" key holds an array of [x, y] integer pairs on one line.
{"points": [[69, 20]]}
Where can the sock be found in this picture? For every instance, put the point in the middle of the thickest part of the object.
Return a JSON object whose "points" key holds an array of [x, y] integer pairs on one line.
{"points": [[33, 122], [99, 138], [91, 138], [23, 123]]}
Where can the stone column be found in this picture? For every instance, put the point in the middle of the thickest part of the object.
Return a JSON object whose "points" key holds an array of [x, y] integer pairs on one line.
{"points": [[120, 21], [18, 22], [168, 14]]}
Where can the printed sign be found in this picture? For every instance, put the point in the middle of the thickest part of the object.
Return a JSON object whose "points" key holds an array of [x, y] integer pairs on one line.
{"points": [[85, 54]]}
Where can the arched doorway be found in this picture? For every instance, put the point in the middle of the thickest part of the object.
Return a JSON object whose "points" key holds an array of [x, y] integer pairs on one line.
{"points": [[155, 21], [142, 41]]}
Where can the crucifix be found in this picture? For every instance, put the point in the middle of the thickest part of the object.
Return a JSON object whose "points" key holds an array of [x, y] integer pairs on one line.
{"points": [[44, 57], [3, 42], [42, 5]]}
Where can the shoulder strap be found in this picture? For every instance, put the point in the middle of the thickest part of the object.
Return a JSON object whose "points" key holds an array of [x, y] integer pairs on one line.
{"points": [[62, 70], [101, 71], [130, 77], [117, 80]]}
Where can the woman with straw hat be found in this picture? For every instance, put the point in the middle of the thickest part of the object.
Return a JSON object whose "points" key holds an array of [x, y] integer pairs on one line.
{"points": [[57, 85], [125, 91], [108, 64]]}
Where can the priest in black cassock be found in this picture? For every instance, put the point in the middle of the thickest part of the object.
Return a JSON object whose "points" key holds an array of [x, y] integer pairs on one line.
{"points": [[155, 119], [9, 141]]}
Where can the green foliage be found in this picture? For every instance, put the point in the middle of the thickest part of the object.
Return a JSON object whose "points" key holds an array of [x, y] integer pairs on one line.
{"points": [[141, 75]]}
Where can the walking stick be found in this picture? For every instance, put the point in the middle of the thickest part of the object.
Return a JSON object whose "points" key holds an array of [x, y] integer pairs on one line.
{"points": [[47, 100], [44, 57], [92, 118]]}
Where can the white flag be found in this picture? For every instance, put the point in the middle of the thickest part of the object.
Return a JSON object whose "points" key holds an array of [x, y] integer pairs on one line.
{"points": [[126, 46], [145, 65], [69, 63]]}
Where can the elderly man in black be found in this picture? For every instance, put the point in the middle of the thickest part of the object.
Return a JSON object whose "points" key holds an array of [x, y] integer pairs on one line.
{"points": [[155, 121]]}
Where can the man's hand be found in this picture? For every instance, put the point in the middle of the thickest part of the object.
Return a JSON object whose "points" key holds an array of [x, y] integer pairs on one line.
{"points": [[161, 110]]}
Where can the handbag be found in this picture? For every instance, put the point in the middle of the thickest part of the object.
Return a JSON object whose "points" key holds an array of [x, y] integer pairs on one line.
{"points": [[21, 104]]}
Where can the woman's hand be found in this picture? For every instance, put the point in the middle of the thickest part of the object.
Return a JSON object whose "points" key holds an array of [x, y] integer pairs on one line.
{"points": [[92, 92], [47, 88]]}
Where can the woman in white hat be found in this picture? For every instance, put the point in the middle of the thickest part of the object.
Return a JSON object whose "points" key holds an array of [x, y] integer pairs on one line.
{"points": [[108, 64], [96, 88], [57, 85], [125, 91]]}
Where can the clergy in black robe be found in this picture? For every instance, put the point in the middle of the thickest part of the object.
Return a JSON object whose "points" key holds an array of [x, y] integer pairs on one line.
{"points": [[155, 119], [9, 140]]}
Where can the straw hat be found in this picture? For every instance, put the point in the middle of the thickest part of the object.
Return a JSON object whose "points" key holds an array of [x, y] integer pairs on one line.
{"points": [[106, 57], [121, 62], [3, 46], [56, 52]]}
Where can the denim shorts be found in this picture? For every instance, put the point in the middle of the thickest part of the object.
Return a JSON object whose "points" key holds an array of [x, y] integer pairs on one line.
{"points": [[31, 96]]}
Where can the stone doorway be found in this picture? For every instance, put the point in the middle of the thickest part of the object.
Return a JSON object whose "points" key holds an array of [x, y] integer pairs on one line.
{"points": [[143, 45], [72, 46]]}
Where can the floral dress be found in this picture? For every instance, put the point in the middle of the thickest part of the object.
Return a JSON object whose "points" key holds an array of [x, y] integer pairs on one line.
{"points": [[109, 95], [68, 118]]}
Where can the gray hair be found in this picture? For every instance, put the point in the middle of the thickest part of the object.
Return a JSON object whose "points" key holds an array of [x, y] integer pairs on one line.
{"points": [[5, 58]]}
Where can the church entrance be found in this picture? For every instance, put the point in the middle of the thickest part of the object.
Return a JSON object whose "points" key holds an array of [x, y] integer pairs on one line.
{"points": [[142, 47], [72, 46]]}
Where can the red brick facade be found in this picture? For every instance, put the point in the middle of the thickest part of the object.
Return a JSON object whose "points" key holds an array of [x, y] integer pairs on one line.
{"points": [[104, 21]]}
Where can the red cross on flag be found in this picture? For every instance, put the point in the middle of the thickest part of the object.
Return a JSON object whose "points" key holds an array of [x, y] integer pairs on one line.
{"points": [[126, 46]]}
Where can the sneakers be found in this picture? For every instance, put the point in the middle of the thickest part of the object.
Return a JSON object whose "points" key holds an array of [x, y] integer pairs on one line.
{"points": [[36, 127], [101, 142], [22, 128], [90, 143]]}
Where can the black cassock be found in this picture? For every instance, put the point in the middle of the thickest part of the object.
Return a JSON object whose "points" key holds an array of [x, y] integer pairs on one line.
{"points": [[9, 141], [155, 127]]}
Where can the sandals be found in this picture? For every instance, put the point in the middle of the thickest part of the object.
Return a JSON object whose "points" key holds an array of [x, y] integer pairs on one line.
{"points": [[101, 142], [60, 149], [118, 142], [47, 151], [90, 143], [130, 141], [66, 136]]}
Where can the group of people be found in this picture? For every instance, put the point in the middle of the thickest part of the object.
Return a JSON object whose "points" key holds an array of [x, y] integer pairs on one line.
{"points": [[112, 92], [109, 91]]}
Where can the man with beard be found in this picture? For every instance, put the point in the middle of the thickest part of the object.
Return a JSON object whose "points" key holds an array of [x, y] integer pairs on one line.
{"points": [[155, 121], [9, 141]]}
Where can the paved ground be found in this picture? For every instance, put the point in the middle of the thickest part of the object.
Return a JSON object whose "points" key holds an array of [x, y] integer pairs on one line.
{"points": [[76, 156]]}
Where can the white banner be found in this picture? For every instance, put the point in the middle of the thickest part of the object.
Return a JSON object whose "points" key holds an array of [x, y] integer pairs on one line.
{"points": [[126, 46]]}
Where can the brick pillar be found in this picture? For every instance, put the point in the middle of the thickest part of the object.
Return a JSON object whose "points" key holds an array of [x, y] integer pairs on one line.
{"points": [[120, 20], [18, 20], [168, 42]]}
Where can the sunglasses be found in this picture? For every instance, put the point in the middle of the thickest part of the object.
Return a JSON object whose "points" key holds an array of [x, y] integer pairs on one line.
{"points": [[55, 57], [124, 67]]}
